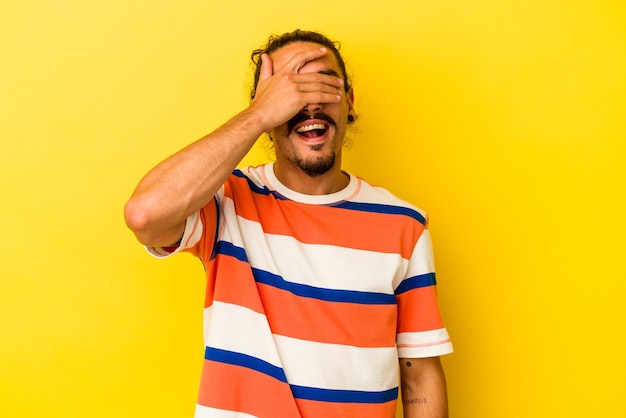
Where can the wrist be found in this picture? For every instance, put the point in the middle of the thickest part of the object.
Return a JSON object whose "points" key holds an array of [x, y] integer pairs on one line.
{"points": [[256, 120]]}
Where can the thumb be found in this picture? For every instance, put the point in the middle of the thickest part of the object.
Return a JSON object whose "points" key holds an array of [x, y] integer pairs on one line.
{"points": [[267, 67]]}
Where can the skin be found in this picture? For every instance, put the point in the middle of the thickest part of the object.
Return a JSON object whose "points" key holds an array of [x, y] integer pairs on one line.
{"points": [[186, 181], [423, 387], [290, 147], [298, 79]]}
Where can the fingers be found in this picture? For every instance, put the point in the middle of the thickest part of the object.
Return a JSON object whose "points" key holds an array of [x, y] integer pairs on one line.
{"points": [[300, 59], [318, 98], [292, 67], [318, 81], [282, 90]]}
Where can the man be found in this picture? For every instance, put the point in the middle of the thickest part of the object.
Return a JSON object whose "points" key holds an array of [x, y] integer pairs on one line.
{"points": [[318, 284]]}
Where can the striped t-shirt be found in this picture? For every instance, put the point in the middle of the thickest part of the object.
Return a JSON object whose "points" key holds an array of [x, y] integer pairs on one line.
{"points": [[311, 299]]}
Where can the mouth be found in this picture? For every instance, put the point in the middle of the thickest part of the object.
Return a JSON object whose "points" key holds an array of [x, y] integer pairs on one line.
{"points": [[313, 130]]}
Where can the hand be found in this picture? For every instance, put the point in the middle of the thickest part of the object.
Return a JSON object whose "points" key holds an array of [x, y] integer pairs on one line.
{"points": [[282, 93]]}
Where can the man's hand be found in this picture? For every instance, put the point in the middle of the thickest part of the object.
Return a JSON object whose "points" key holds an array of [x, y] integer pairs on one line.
{"points": [[282, 93], [188, 180]]}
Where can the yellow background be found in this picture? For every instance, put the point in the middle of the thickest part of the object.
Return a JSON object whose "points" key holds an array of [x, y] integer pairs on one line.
{"points": [[505, 120]]}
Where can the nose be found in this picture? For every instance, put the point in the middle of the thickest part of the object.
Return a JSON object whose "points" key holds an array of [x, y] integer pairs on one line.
{"points": [[312, 108]]}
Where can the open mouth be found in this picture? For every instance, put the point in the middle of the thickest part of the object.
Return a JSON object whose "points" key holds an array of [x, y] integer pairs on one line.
{"points": [[311, 128], [312, 131]]}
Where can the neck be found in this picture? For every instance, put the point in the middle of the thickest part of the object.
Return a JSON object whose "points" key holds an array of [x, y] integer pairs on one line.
{"points": [[294, 178]]}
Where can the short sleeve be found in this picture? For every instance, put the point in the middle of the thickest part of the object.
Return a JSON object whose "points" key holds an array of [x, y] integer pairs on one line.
{"points": [[420, 328], [191, 237]]}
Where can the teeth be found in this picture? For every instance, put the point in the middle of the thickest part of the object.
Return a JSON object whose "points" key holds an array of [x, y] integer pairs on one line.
{"points": [[307, 128]]}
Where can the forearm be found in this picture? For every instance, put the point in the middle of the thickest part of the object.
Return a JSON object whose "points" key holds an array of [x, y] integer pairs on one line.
{"points": [[189, 179], [186, 181], [424, 392]]}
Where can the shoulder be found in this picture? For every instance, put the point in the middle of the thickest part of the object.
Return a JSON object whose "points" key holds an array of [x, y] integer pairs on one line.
{"points": [[251, 178], [381, 197]]}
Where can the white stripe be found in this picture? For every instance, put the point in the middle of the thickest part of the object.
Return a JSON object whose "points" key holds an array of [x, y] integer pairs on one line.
{"points": [[324, 266], [333, 366], [422, 259], [233, 329], [206, 412], [424, 344], [379, 195], [333, 267]]}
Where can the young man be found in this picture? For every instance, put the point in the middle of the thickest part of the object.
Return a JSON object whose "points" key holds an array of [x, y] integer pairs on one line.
{"points": [[318, 283]]}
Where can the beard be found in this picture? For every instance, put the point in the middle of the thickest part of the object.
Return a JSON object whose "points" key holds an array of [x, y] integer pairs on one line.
{"points": [[316, 166]]}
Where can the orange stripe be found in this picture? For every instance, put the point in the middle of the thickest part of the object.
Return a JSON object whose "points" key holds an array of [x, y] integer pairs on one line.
{"points": [[316, 409], [232, 282], [329, 322], [316, 224], [236, 388], [418, 310]]}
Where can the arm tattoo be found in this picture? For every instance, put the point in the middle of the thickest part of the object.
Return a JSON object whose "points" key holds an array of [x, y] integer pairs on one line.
{"points": [[415, 401]]}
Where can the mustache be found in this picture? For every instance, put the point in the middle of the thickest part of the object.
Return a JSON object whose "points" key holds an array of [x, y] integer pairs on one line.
{"points": [[301, 117]]}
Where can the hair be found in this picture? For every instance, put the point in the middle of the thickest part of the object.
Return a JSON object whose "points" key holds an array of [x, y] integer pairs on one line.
{"points": [[276, 42]]}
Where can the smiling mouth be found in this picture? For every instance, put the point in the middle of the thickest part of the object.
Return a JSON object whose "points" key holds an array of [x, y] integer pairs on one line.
{"points": [[311, 127], [313, 130]]}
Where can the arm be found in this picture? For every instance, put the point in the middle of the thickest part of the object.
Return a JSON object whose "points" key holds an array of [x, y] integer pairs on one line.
{"points": [[186, 181], [424, 393]]}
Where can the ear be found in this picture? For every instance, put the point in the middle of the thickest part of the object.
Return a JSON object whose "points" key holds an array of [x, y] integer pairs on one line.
{"points": [[350, 101]]}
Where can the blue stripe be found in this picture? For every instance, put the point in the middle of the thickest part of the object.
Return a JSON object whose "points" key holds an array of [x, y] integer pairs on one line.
{"points": [[353, 396], [261, 190], [300, 392], [244, 360], [217, 228], [330, 295], [228, 248], [415, 282], [256, 189], [385, 209]]}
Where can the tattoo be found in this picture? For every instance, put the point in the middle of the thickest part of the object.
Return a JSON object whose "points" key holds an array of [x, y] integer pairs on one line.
{"points": [[415, 401]]}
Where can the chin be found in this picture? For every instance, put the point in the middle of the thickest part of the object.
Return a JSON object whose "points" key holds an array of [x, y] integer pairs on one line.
{"points": [[317, 166]]}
